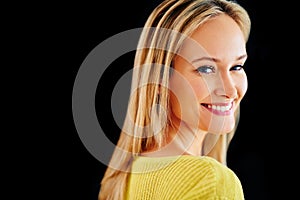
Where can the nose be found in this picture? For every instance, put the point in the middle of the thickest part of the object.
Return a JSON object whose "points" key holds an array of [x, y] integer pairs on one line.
{"points": [[226, 87]]}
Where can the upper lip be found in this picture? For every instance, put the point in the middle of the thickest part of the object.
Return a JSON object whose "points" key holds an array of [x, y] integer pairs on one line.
{"points": [[218, 104]]}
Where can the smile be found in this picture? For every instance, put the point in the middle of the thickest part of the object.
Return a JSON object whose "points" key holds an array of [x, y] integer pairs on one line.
{"points": [[219, 109]]}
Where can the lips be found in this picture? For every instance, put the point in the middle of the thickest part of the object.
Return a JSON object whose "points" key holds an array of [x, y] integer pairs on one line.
{"points": [[219, 108]]}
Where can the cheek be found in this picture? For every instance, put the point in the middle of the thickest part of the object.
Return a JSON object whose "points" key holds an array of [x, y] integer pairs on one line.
{"points": [[187, 90], [242, 85], [181, 92], [200, 88], [184, 95]]}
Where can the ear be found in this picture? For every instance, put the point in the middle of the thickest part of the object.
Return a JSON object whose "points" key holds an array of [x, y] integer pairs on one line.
{"points": [[159, 86]]}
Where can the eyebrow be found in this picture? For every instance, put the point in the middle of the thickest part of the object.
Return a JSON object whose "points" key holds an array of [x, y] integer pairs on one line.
{"points": [[217, 60]]}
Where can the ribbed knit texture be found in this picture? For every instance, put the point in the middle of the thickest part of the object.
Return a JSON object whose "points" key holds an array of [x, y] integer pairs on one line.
{"points": [[182, 178]]}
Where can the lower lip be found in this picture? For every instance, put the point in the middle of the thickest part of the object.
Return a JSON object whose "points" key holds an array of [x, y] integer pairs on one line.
{"points": [[220, 113]]}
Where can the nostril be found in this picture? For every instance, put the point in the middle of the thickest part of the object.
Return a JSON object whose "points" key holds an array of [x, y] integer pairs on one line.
{"points": [[228, 93]]}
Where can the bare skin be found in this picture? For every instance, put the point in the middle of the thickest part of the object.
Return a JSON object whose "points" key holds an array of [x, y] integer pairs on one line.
{"points": [[207, 86]]}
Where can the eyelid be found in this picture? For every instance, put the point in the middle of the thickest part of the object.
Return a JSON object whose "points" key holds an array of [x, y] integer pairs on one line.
{"points": [[239, 65], [204, 67]]}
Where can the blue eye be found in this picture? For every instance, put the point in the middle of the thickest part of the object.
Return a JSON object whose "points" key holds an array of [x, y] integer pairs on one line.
{"points": [[205, 69], [236, 68]]}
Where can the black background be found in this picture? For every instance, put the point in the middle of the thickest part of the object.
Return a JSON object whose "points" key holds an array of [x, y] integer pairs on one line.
{"points": [[256, 148], [61, 35]]}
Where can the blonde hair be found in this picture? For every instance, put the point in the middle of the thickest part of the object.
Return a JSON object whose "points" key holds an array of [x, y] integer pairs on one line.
{"points": [[145, 123]]}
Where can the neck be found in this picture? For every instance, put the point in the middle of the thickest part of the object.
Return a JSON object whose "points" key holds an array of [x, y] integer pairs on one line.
{"points": [[181, 140], [188, 139]]}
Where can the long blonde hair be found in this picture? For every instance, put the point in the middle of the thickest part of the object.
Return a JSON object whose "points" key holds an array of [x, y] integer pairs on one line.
{"points": [[147, 114]]}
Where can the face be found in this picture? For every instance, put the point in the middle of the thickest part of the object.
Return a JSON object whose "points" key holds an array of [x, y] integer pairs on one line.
{"points": [[208, 81]]}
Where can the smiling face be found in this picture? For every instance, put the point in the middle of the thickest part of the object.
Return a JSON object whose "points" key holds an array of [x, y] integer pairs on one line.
{"points": [[209, 81]]}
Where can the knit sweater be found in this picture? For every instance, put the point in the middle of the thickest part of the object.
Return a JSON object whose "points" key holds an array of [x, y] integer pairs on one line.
{"points": [[182, 178]]}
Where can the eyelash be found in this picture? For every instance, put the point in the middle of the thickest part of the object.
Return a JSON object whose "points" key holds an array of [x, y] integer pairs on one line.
{"points": [[234, 68], [240, 67], [198, 70]]}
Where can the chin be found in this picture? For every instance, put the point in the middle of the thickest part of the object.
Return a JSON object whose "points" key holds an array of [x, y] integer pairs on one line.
{"points": [[221, 128]]}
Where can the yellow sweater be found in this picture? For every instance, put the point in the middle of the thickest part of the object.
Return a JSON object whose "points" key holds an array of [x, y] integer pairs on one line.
{"points": [[182, 178]]}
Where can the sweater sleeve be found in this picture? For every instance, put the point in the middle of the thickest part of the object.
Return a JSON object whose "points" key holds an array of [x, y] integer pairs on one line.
{"points": [[183, 178], [221, 183]]}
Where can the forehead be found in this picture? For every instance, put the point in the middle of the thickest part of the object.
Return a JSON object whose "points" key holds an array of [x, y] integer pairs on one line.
{"points": [[219, 37]]}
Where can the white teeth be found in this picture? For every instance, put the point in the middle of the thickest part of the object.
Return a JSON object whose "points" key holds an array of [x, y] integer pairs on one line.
{"points": [[220, 108]]}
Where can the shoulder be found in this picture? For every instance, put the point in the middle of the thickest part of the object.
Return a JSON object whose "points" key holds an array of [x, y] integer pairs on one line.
{"points": [[190, 177], [195, 164]]}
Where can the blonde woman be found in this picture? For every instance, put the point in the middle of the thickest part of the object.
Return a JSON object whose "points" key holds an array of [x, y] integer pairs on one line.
{"points": [[187, 84]]}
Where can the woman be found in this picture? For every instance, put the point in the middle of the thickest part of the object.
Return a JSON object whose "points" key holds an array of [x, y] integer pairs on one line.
{"points": [[187, 84]]}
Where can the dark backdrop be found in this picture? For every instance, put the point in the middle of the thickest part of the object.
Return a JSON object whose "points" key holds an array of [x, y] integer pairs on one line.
{"points": [[260, 141]]}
